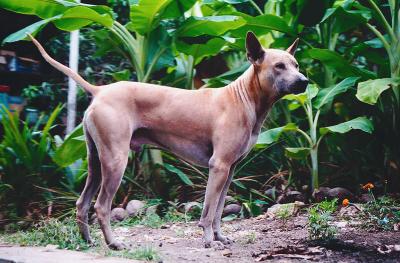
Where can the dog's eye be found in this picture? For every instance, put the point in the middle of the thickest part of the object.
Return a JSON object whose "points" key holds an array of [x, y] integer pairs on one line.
{"points": [[280, 66], [297, 65]]}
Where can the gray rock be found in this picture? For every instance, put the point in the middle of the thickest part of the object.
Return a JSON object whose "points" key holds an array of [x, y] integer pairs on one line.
{"points": [[340, 193], [272, 193], [290, 197], [135, 207], [321, 194], [231, 209], [118, 214], [365, 198]]}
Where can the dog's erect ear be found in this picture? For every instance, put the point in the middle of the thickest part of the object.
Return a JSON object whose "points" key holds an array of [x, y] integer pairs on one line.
{"points": [[255, 52], [293, 47]]}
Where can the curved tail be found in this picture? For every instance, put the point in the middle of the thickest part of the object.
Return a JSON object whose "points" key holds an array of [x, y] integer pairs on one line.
{"points": [[64, 69]]}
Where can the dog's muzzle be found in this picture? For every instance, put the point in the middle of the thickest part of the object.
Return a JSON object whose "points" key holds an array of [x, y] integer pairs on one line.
{"points": [[300, 85]]}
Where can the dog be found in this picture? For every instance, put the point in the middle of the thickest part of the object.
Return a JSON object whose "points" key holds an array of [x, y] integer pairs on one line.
{"points": [[214, 128]]}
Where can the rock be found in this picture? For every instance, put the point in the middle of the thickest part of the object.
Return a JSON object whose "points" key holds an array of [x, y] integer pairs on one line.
{"points": [[365, 198], [290, 208], [231, 209], [348, 211], [118, 214], [151, 210], [135, 207], [320, 194], [227, 253], [192, 206], [396, 248], [230, 200], [290, 197], [272, 193], [340, 193]]}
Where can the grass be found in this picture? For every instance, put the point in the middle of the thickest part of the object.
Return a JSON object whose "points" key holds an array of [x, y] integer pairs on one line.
{"points": [[249, 238], [65, 235], [147, 253]]}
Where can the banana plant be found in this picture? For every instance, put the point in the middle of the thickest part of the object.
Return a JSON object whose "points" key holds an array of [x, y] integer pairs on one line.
{"points": [[370, 90], [314, 101]]}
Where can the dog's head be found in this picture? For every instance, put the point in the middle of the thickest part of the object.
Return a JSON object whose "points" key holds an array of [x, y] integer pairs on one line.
{"points": [[277, 70]]}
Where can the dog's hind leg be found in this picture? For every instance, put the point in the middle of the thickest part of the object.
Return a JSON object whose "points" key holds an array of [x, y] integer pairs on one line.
{"points": [[93, 181]]}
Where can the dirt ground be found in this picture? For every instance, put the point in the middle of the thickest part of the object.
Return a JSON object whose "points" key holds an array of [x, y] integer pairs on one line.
{"points": [[256, 239]]}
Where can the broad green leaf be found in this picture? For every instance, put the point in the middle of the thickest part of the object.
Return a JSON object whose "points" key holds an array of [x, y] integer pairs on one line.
{"points": [[297, 153], [40, 8], [199, 51], [121, 75], [273, 135], [177, 8], [335, 62], [262, 24], [146, 14], [80, 16], [72, 149], [310, 93], [209, 25], [31, 29], [48, 8], [370, 90], [360, 123], [180, 174], [227, 77], [343, 20], [327, 95]]}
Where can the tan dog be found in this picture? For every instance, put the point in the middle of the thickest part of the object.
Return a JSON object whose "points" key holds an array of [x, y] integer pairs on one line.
{"points": [[214, 128]]}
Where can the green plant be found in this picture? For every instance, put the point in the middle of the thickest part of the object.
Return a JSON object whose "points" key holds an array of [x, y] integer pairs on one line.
{"points": [[319, 221], [249, 238], [313, 101], [146, 253], [381, 213], [26, 163], [64, 234]]}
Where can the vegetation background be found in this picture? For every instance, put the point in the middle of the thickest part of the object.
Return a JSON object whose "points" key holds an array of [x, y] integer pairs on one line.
{"points": [[350, 51]]}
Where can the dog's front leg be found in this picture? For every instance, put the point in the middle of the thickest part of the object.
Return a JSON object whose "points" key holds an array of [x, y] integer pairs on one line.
{"points": [[216, 225], [219, 172]]}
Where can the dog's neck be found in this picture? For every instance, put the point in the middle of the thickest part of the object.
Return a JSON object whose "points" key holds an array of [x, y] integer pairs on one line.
{"points": [[257, 99]]}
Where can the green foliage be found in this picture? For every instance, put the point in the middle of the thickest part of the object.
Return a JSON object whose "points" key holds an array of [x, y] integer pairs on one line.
{"points": [[382, 213], [313, 100], [26, 161], [319, 221], [64, 234]]}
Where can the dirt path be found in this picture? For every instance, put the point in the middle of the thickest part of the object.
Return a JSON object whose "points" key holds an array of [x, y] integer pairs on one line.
{"points": [[256, 239]]}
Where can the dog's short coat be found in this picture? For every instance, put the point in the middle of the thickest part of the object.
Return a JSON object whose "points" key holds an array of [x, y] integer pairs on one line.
{"points": [[214, 128]]}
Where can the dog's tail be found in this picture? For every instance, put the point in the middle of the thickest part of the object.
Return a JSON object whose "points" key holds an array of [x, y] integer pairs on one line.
{"points": [[92, 89]]}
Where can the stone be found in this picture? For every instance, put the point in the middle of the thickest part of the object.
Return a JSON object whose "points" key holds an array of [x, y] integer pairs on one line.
{"points": [[272, 193], [365, 198], [320, 194], [290, 197], [231, 209], [135, 207], [118, 214], [290, 208], [340, 193]]}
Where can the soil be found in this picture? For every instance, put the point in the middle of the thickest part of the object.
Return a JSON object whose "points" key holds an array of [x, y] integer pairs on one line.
{"points": [[256, 239]]}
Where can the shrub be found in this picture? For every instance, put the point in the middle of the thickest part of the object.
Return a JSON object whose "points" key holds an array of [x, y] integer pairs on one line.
{"points": [[319, 218]]}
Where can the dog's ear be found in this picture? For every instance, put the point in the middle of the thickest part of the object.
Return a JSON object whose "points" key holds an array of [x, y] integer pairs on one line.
{"points": [[293, 47], [255, 52]]}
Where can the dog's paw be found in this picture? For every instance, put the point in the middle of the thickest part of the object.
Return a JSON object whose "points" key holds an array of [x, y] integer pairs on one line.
{"points": [[224, 239], [217, 245], [116, 245]]}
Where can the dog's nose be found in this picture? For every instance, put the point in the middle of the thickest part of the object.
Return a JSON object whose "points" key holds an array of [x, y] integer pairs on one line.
{"points": [[301, 84]]}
